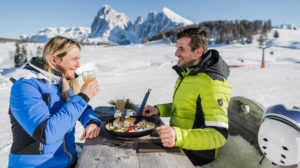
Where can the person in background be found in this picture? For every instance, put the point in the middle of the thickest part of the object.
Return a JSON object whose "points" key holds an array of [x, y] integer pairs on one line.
{"points": [[45, 103], [199, 122]]}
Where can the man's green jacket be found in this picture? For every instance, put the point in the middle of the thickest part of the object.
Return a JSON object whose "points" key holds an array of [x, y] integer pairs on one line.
{"points": [[199, 108]]}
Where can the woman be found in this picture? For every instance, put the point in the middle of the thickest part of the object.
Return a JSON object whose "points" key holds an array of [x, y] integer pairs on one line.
{"points": [[45, 103]]}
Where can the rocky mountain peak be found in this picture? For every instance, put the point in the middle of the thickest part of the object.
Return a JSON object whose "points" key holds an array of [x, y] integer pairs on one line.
{"points": [[112, 26], [106, 20]]}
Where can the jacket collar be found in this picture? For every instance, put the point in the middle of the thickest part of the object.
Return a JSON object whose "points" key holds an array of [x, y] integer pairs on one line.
{"points": [[211, 63], [37, 64]]}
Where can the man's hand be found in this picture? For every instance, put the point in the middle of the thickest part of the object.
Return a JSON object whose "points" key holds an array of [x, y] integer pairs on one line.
{"points": [[91, 131], [150, 111], [167, 135]]}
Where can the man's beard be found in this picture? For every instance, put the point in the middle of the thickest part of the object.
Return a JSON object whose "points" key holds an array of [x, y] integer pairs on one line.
{"points": [[189, 63]]}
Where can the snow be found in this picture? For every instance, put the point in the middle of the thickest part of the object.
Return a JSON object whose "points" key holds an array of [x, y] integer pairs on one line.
{"points": [[128, 71]]}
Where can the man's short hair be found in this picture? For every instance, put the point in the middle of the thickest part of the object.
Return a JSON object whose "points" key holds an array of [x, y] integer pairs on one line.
{"points": [[199, 38]]}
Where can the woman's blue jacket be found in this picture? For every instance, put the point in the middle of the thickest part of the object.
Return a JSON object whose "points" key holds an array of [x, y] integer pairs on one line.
{"points": [[43, 124]]}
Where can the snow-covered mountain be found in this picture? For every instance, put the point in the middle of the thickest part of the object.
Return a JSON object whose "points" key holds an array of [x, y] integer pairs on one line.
{"points": [[112, 26], [287, 27], [106, 20], [158, 22], [76, 33]]}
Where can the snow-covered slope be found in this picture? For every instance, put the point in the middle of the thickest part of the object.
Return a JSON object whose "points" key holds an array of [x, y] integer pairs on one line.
{"points": [[112, 26]]}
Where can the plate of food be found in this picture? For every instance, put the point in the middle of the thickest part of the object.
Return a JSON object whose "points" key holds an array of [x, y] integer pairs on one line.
{"points": [[131, 127]]}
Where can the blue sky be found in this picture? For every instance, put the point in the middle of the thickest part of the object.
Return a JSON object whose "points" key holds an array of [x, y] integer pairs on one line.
{"points": [[19, 17]]}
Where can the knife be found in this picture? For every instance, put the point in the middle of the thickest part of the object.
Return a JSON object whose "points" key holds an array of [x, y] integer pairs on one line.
{"points": [[144, 102]]}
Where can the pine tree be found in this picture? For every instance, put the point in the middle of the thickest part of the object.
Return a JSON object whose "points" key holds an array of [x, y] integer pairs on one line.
{"points": [[261, 40], [18, 50], [20, 56], [249, 36], [39, 51], [24, 51], [276, 34], [269, 25]]}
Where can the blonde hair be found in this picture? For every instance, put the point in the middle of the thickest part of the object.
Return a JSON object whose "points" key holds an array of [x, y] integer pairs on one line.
{"points": [[59, 46]]}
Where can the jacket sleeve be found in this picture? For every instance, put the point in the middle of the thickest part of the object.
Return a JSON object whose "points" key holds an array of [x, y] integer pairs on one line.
{"points": [[32, 112], [199, 139], [89, 115], [164, 109]]}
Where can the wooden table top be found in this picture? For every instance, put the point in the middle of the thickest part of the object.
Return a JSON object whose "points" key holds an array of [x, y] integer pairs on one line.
{"points": [[108, 151]]}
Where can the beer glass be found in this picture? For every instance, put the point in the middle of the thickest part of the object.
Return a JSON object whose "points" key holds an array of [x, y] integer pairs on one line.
{"points": [[120, 105], [88, 76]]}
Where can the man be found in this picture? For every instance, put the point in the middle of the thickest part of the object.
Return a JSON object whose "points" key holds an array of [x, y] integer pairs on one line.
{"points": [[198, 112]]}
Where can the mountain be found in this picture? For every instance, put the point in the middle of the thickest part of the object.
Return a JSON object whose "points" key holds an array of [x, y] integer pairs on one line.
{"points": [[112, 26], [106, 20], [109, 25], [75, 33], [155, 23], [117, 27], [287, 27]]}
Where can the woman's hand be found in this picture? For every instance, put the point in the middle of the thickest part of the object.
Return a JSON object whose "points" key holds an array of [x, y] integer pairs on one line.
{"points": [[91, 131], [90, 89]]}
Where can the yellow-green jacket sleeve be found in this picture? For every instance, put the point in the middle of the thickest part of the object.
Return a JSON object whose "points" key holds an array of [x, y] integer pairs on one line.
{"points": [[164, 109]]}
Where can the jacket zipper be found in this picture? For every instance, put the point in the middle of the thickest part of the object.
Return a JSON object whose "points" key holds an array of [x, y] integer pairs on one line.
{"points": [[177, 87], [41, 148], [178, 70], [66, 150], [171, 122]]}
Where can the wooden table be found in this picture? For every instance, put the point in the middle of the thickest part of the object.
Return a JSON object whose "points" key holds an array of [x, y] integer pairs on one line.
{"points": [[108, 151]]}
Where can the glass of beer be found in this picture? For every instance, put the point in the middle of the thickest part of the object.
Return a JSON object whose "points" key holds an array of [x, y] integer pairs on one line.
{"points": [[88, 76], [120, 105]]}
